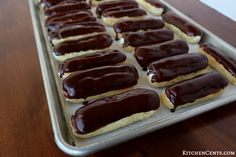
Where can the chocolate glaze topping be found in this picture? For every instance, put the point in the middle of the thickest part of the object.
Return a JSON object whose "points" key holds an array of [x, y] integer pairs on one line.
{"points": [[169, 68], [82, 24], [67, 7], [85, 83], [119, 8], [156, 3], [227, 61], [63, 16], [97, 42], [98, 59], [199, 87], [99, 113], [50, 3], [133, 26], [76, 30], [136, 39], [188, 28], [127, 12], [147, 54], [69, 19], [113, 4]]}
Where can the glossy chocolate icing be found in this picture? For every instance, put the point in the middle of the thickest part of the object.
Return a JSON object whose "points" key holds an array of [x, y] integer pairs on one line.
{"points": [[188, 28], [199, 87], [114, 4], [156, 3], [64, 16], [67, 7], [85, 83], [147, 54], [119, 8], [50, 3], [76, 30], [136, 39], [97, 42], [98, 59], [69, 19], [135, 12], [169, 68], [85, 24], [99, 113], [227, 61], [133, 26]]}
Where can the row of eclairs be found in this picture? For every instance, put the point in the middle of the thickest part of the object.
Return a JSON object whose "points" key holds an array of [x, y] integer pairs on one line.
{"points": [[99, 77]]}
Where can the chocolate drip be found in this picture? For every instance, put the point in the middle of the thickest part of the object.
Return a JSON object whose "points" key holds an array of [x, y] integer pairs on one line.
{"points": [[50, 3], [98, 59], [169, 68], [68, 7], [97, 42], [99, 113], [133, 26], [156, 3], [76, 30], [188, 28], [114, 4], [227, 61], [135, 12], [136, 39], [85, 83], [199, 87], [147, 54], [85, 24]]}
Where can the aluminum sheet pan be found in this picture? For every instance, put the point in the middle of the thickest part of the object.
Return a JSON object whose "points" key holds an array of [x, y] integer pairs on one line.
{"points": [[61, 111]]}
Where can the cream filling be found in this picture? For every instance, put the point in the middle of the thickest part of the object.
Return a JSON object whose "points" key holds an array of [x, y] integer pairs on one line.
{"points": [[128, 48], [219, 67], [76, 54], [118, 124], [57, 41], [166, 101], [189, 39], [152, 9], [179, 78], [112, 20]]}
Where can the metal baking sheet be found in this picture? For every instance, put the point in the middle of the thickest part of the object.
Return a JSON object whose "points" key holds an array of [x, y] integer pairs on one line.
{"points": [[61, 111]]}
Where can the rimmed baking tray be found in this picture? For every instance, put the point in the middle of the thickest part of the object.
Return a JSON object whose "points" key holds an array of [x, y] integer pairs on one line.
{"points": [[60, 110]]}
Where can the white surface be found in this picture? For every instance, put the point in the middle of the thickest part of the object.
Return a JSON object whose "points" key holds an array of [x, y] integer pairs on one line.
{"points": [[225, 7]]}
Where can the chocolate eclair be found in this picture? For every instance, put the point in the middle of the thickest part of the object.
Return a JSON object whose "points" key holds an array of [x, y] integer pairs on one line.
{"points": [[114, 4], [221, 61], [66, 7], [153, 6], [99, 82], [97, 59], [112, 17], [131, 40], [147, 54], [84, 46], [75, 32], [110, 113], [57, 22], [171, 70], [183, 28], [137, 25], [196, 90]]}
